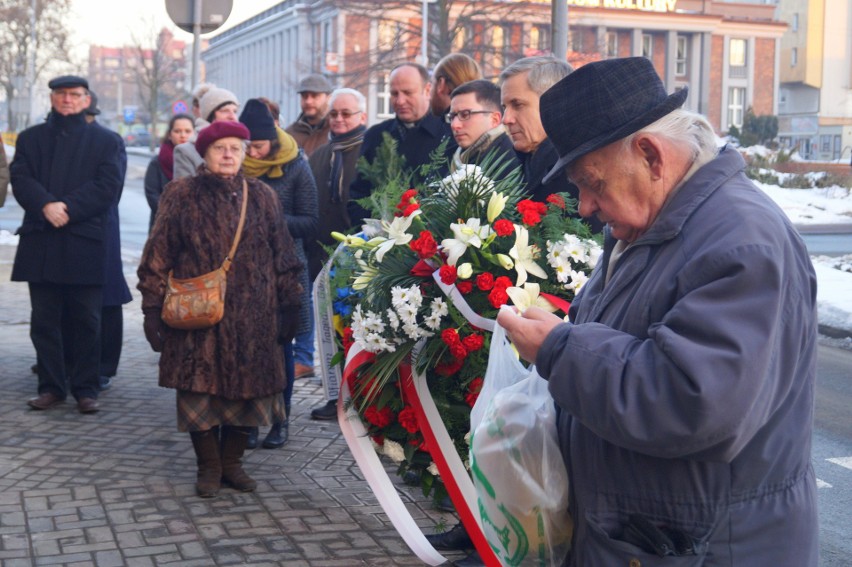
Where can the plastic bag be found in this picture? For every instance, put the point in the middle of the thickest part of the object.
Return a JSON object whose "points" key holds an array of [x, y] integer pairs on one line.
{"points": [[520, 478]]}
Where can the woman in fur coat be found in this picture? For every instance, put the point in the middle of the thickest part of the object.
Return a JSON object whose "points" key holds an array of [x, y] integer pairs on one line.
{"points": [[228, 377], [275, 158]]}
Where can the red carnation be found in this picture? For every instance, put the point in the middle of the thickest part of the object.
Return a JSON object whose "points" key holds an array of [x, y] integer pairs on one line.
{"points": [[408, 196], [347, 339], [473, 342], [448, 274], [529, 218], [473, 390], [410, 209], [425, 245], [504, 227], [557, 200], [503, 282], [408, 419], [526, 205], [465, 287], [498, 297], [379, 417], [448, 368], [485, 281], [458, 351], [450, 337]]}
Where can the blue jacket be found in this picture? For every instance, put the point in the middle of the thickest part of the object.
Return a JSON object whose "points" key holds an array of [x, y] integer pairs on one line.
{"points": [[65, 159], [686, 383]]}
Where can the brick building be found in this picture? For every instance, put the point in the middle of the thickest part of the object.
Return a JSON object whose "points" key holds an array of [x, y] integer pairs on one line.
{"points": [[726, 52], [117, 75]]}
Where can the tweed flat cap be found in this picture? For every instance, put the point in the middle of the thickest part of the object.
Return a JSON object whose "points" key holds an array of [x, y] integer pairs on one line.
{"points": [[315, 83], [602, 102], [68, 82], [217, 131]]}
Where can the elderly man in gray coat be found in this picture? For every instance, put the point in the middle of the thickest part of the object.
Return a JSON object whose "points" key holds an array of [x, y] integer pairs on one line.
{"points": [[685, 379]]}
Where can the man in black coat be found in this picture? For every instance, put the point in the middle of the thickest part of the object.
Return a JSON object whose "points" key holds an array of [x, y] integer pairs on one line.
{"points": [[66, 175], [416, 129], [522, 83]]}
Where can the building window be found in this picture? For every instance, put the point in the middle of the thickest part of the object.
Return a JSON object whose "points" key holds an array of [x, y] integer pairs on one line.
{"points": [[794, 25], [498, 39], [681, 56], [737, 58], [611, 47], [383, 106], [736, 106], [836, 150], [575, 40], [825, 144], [540, 37], [794, 57], [388, 35], [647, 45]]}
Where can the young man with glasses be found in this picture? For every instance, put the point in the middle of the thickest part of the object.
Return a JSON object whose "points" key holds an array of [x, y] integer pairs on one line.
{"points": [[66, 175], [475, 118], [334, 169]]}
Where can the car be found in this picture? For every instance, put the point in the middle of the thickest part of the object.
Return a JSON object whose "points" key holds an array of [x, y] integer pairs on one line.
{"points": [[138, 138]]}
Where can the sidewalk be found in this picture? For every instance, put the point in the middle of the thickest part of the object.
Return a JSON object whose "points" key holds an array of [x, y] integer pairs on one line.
{"points": [[117, 487]]}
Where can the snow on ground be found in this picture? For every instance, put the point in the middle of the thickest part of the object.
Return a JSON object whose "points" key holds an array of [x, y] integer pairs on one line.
{"points": [[828, 205]]}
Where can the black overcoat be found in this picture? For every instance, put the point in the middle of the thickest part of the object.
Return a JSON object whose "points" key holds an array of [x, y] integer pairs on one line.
{"points": [[65, 159]]}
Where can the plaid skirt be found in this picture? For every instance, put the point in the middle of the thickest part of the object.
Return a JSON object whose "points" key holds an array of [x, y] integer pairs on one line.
{"points": [[200, 412]]}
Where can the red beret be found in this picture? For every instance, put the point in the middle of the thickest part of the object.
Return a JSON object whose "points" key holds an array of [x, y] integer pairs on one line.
{"points": [[217, 131]]}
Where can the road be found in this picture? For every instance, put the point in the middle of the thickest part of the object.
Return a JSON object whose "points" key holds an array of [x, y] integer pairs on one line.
{"points": [[832, 440]]}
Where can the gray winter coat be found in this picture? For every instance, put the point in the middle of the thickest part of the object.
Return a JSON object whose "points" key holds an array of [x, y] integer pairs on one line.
{"points": [[686, 384]]}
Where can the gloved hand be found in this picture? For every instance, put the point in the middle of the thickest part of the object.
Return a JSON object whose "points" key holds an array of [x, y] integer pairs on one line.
{"points": [[153, 325], [288, 323]]}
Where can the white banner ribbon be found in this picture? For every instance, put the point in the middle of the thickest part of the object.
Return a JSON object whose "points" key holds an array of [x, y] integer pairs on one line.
{"points": [[458, 300]]}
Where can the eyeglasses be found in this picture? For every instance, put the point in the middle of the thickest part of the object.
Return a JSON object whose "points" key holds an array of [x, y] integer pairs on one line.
{"points": [[464, 115], [71, 94], [345, 114]]}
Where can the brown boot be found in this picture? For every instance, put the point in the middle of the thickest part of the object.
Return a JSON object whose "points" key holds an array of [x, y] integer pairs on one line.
{"points": [[234, 441], [206, 445]]}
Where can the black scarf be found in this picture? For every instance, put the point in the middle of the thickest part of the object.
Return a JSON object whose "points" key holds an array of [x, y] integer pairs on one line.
{"points": [[339, 144]]}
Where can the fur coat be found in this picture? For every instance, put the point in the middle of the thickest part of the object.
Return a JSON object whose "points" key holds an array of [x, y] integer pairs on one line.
{"points": [[239, 358]]}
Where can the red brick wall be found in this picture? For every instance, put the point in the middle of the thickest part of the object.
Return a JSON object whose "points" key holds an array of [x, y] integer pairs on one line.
{"points": [[764, 76], [715, 110]]}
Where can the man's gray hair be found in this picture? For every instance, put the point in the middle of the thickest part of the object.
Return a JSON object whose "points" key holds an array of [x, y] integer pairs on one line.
{"points": [[543, 71], [361, 100], [683, 127]]}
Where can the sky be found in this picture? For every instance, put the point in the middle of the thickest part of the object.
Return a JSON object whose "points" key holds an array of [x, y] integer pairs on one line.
{"points": [[111, 23]]}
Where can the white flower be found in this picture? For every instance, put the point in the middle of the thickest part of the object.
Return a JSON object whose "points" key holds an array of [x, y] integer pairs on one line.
{"points": [[464, 271], [466, 234], [594, 253], [505, 262], [373, 322], [393, 450], [433, 469], [404, 295], [529, 296], [451, 184], [433, 321], [578, 280], [439, 307], [496, 205], [525, 256], [397, 234], [374, 342], [407, 313], [393, 319], [367, 274]]}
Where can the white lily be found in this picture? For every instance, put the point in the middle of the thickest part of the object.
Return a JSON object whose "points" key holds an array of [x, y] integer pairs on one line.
{"points": [[524, 256], [505, 262], [367, 274], [496, 205], [466, 234], [397, 234], [529, 296]]}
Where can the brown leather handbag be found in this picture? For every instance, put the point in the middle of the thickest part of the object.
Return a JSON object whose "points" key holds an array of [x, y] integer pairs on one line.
{"points": [[199, 302]]}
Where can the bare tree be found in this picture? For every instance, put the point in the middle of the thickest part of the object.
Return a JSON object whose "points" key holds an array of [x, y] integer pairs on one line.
{"points": [[490, 31], [16, 45], [159, 74]]}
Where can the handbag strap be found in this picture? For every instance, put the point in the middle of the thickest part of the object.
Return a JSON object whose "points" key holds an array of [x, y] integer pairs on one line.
{"points": [[226, 265]]}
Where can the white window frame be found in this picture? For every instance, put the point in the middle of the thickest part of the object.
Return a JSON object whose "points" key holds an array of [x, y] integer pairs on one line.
{"points": [[682, 56], [647, 45], [736, 106]]}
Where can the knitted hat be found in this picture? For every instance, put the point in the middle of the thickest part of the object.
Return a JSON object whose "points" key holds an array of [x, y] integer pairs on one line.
{"points": [[214, 99], [217, 131], [258, 120]]}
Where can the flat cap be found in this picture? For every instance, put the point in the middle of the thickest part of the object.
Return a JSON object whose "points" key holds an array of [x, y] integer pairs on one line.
{"points": [[315, 83], [67, 82], [93, 109]]}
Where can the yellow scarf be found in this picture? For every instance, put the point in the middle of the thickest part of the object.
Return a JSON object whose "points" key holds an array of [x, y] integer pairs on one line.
{"points": [[273, 167]]}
